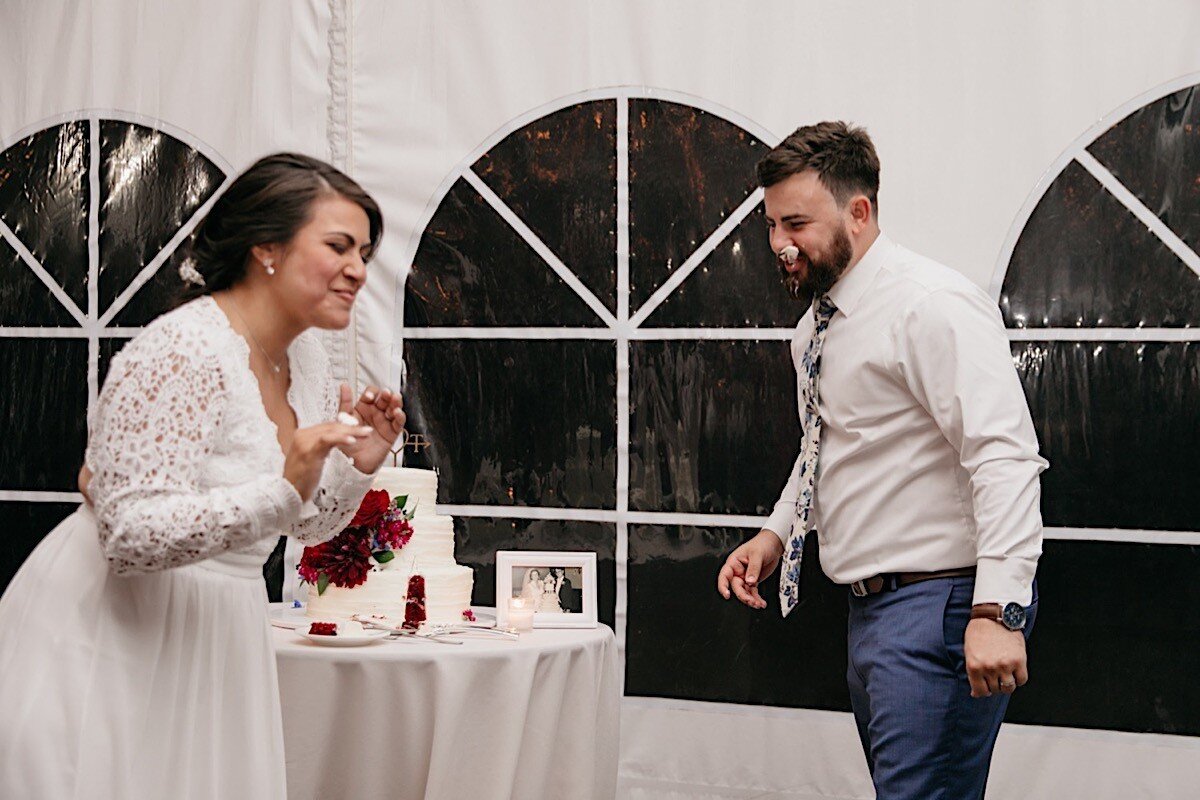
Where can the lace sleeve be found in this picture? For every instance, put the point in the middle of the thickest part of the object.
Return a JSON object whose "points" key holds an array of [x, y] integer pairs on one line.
{"points": [[342, 485], [155, 425]]}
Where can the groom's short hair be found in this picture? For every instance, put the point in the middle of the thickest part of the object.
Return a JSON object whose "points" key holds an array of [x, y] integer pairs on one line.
{"points": [[841, 154]]}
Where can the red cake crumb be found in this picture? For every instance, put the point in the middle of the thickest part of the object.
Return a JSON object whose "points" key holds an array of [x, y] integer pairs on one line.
{"points": [[414, 608], [323, 629], [468, 615]]}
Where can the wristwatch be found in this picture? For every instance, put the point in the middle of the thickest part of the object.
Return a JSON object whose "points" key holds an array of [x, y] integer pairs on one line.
{"points": [[1011, 616]]}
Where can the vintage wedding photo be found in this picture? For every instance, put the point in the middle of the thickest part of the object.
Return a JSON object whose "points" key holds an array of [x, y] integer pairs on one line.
{"points": [[558, 589]]}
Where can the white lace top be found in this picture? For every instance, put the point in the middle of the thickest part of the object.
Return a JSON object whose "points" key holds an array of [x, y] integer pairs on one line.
{"points": [[186, 461]]}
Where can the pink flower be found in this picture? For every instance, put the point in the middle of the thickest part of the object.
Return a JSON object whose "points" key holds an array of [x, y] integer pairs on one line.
{"points": [[394, 532]]}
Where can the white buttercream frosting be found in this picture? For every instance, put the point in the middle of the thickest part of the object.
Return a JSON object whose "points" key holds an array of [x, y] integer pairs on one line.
{"points": [[429, 553]]}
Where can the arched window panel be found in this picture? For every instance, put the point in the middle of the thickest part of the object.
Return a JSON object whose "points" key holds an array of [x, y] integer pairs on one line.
{"points": [[559, 174], [719, 651], [1117, 421], [109, 347], [517, 422], [473, 269], [478, 538], [1155, 153], [712, 425], [1138, 653], [24, 299], [24, 526], [43, 412], [44, 200], [737, 286], [1084, 260], [151, 184], [688, 171]]}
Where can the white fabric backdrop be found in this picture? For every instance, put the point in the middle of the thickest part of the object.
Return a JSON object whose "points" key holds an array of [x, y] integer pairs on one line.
{"points": [[969, 104]]}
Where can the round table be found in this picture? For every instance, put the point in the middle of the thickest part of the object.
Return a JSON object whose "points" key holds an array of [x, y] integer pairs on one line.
{"points": [[491, 718]]}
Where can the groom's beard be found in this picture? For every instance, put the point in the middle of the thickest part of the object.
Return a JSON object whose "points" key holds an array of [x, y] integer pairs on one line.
{"points": [[820, 275]]}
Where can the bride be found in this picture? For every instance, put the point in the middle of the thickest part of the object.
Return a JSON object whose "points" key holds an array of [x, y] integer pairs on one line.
{"points": [[135, 652]]}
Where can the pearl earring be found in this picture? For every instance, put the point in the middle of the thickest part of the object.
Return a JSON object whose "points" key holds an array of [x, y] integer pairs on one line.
{"points": [[270, 269]]}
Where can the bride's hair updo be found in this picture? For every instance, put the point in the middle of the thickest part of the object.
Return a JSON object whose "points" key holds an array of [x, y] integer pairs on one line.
{"points": [[266, 204]]}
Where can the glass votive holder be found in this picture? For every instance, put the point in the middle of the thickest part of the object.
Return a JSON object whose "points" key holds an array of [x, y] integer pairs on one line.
{"points": [[520, 614]]}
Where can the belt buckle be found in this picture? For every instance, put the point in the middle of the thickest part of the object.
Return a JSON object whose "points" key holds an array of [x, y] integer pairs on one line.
{"points": [[859, 588]]}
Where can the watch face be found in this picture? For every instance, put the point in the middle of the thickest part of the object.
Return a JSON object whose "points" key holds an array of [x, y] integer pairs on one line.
{"points": [[1013, 616]]}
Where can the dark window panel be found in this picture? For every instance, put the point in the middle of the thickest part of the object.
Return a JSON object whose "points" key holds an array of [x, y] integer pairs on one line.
{"points": [[273, 571], [713, 425], [1155, 153], [688, 170], [737, 286], [1117, 421], [109, 347], [151, 184], [477, 539], [724, 652], [26, 524], [157, 296], [44, 199], [720, 650], [517, 422], [559, 174], [43, 413], [24, 299], [1084, 260], [1114, 645], [472, 269]]}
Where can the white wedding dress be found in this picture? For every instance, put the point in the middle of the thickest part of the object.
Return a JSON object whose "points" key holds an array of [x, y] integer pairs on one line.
{"points": [[135, 656]]}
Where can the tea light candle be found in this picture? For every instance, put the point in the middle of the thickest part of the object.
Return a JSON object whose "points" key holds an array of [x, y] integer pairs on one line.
{"points": [[520, 614]]}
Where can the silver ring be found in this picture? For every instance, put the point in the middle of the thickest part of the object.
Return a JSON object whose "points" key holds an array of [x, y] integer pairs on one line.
{"points": [[1007, 684]]}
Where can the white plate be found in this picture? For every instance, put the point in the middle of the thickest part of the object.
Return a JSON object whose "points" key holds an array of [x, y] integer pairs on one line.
{"points": [[367, 637], [283, 615]]}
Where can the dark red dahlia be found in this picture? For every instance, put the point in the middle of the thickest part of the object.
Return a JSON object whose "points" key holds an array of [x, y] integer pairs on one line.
{"points": [[345, 559], [372, 508]]}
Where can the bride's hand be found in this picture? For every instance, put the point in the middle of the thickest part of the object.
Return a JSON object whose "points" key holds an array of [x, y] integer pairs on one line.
{"points": [[85, 478], [383, 412]]}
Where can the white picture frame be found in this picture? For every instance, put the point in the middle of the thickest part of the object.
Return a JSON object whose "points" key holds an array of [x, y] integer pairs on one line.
{"points": [[555, 572]]}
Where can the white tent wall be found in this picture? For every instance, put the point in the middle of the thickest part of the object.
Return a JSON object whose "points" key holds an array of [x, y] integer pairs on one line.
{"points": [[242, 78], [969, 103]]}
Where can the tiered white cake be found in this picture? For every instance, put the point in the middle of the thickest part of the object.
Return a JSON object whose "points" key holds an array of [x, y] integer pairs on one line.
{"points": [[429, 553]]}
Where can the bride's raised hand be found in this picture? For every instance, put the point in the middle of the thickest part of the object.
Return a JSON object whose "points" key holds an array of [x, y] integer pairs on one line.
{"points": [[380, 410]]}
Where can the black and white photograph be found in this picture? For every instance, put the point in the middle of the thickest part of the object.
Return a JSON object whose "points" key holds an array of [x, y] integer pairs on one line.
{"points": [[550, 590], [558, 588]]}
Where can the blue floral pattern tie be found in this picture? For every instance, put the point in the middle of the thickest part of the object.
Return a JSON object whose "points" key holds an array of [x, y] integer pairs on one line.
{"points": [[789, 574]]}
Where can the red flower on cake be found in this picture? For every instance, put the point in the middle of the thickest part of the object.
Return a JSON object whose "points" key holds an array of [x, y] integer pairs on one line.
{"points": [[345, 559], [374, 505]]}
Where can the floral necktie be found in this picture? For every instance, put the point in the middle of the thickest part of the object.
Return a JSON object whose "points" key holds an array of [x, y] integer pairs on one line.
{"points": [[789, 574]]}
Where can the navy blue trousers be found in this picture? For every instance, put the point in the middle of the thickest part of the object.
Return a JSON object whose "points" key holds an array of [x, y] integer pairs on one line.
{"points": [[924, 736]]}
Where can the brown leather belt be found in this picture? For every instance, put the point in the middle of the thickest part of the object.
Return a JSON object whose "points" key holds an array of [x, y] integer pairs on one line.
{"points": [[891, 581]]}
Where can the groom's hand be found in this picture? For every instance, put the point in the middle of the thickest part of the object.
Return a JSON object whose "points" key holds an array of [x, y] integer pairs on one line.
{"points": [[747, 566]]}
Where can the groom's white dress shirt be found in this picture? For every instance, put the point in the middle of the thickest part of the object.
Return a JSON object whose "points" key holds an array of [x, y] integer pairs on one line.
{"points": [[928, 456]]}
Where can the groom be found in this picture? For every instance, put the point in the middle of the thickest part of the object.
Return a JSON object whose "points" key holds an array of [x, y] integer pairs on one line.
{"points": [[918, 470]]}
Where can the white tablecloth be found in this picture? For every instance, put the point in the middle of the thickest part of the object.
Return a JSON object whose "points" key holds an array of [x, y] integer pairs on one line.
{"points": [[535, 718]]}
